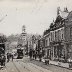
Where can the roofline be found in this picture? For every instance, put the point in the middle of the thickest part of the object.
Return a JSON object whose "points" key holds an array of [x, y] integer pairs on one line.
{"points": [[46, 35]]}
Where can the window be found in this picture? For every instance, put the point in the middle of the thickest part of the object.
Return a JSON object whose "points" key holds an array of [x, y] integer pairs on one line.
{"points": [[62, 34], [59, 34], [46, 43], [51, 36], [71, 31], [55, 35], [49, 40]]}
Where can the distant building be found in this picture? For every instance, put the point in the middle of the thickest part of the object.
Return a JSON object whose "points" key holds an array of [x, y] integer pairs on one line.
{"points": [[23, 37], [33, 42]]}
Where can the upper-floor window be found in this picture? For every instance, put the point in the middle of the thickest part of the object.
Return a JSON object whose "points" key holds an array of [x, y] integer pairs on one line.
{"points": [[51, 36], [71, 31], [62, 36], [46, 42], [55, 35], [62, 33], [59, 34], [49, 39]]}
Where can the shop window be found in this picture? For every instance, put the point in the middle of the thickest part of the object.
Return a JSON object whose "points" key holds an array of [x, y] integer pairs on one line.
{"points": [[55, 51]]}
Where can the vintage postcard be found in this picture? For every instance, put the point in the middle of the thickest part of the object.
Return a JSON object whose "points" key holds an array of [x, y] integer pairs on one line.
{"points": [[35, 35]]}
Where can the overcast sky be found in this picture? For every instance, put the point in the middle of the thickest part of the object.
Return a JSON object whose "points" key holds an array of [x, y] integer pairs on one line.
{"points": [[36, 15]]}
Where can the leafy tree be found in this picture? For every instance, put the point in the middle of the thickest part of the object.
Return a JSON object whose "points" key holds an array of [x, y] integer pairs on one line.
{"points": [[3, 39]]}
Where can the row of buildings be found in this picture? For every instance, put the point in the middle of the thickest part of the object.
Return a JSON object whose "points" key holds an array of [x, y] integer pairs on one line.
{"points": [[56, 42], [58, 38]]}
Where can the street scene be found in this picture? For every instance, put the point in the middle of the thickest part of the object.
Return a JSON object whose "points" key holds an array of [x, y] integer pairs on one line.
{"points": [[22, 66], [35, 36]]}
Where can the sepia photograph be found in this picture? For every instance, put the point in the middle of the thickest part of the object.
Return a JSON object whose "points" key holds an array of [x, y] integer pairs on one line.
{"points": [[35, 35]]}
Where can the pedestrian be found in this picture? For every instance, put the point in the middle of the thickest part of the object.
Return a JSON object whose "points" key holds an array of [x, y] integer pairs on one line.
{"points": [[33, 54], [40, 55], [30, 53], [12, 57], [8, 57], [3, 58]]}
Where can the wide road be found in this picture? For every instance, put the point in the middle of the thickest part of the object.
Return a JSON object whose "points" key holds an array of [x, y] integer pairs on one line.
{"points": [[18, 65]]}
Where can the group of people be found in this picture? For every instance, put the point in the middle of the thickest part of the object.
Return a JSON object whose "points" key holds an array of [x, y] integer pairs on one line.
{"points": [[2, 59], [9, 56], [34, 54]]}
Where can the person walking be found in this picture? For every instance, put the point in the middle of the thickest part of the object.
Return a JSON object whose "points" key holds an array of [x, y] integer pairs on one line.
{"points": [[30, 54], [12, 57], [33, 54], [40, 55], [8, 57]]}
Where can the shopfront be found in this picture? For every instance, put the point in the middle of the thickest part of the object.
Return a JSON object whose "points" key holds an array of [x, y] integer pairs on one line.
{"points": [[47, 53], [58, 52]]}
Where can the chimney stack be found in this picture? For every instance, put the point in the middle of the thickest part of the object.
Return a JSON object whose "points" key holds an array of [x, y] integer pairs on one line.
{"points": [[65, 9], [58, 9]]}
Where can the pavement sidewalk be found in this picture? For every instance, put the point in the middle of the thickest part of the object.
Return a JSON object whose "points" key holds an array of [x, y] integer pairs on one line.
{"points": [[51, 67], [57, 63]]}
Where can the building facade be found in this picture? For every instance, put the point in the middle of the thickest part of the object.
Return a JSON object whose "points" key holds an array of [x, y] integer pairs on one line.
{"points": [[58, 38]]}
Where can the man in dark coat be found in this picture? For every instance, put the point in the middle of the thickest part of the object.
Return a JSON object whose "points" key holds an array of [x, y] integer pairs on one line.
{"points": [[3, 59], [30, 53], [12, 57], [8, 57]]}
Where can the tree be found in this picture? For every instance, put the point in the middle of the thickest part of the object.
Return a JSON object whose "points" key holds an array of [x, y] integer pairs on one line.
{"points": [[3, 39]]}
